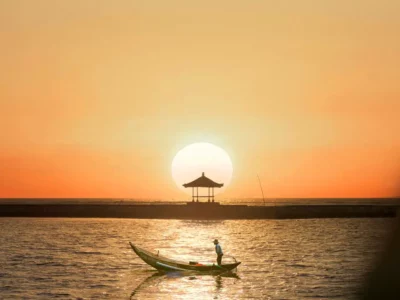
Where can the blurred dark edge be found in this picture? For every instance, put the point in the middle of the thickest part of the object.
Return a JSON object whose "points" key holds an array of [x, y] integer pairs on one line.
{"points": [[384, 281]]}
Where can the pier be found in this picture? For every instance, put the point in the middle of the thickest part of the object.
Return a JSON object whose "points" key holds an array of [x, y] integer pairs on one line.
{"points": [[197, 210]]}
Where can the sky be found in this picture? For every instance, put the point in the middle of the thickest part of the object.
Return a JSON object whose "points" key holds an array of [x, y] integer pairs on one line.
{"points": [[97, 97]]}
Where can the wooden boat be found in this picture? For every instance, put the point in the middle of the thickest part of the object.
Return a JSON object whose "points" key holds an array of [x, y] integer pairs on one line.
{"points": [[162, 263]]}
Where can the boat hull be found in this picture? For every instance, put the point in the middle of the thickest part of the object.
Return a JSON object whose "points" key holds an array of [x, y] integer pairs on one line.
{"points": [[165, 264]]}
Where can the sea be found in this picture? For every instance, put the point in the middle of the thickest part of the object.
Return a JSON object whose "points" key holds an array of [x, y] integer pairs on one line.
{"points": [[68, 258]]}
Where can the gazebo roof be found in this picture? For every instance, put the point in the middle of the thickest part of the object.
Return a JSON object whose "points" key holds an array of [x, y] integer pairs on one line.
{"points": [[203, 181]]}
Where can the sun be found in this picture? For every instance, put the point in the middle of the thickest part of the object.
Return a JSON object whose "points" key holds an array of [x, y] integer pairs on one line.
{"points": [[190, 162]]}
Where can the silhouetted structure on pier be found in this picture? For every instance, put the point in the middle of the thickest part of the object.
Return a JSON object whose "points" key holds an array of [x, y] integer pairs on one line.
{"points": [[203, 182]]}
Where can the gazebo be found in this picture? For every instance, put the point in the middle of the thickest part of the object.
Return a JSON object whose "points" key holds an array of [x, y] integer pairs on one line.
{"points": [[203, 182]]}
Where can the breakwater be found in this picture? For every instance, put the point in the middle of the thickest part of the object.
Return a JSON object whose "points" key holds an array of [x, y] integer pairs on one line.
{"points": [[197, 211]]}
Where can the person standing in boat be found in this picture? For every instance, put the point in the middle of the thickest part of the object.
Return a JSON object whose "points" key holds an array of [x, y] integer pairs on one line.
{"points": [[219, 252]]}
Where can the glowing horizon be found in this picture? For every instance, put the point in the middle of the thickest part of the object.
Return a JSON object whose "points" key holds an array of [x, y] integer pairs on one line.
{"points": [[98, 97]]}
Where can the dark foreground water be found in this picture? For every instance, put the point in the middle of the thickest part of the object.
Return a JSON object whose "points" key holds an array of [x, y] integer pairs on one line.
{"points": [[281, 259]]}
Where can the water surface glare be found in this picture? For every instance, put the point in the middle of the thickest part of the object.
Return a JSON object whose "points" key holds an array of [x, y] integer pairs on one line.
{"points": [[281, 259]]}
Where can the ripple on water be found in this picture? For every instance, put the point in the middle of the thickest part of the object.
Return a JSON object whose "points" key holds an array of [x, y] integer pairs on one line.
{"points": [[281, 259]]}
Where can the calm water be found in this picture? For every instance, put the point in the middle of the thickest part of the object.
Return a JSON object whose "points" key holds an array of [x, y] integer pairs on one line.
{"points": [[281, 259]]}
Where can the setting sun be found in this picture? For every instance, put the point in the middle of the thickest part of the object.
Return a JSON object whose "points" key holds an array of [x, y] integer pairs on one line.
{"points": [[190, 162]]}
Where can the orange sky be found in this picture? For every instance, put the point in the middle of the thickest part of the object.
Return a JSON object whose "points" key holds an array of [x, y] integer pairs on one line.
{"points": [[96, 97]]}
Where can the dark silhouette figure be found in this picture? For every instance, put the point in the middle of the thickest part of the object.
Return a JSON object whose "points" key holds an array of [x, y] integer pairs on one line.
{"points": [[219, 252], [203, 182]]}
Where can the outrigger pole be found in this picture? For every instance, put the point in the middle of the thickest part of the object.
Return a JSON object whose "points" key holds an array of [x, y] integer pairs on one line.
{"points": [[259, 181]]}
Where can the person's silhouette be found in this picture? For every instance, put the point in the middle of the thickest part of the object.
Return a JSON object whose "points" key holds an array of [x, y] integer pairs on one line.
{"points": [[219, 252]]}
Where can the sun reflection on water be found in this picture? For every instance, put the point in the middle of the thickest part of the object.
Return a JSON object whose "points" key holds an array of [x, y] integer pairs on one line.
{"points": [[211, 285], [92, 259]]}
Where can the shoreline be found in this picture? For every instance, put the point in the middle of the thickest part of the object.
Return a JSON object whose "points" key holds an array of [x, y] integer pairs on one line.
{"points": [[201, 211]]}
